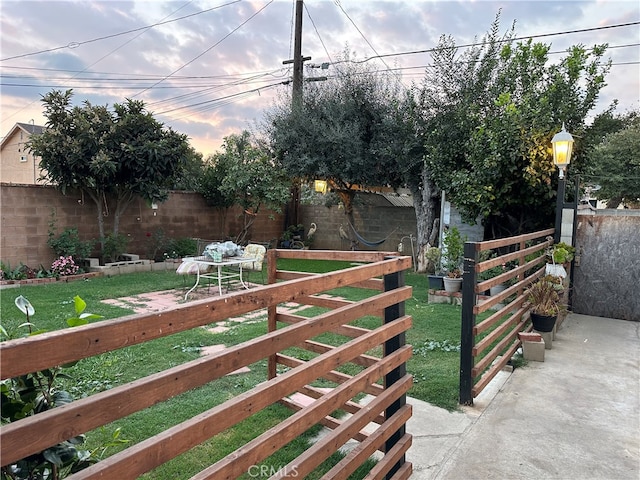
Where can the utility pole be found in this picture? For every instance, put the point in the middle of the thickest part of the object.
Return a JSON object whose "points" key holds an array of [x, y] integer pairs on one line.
{"points": [[298, 59], [293, 216]]}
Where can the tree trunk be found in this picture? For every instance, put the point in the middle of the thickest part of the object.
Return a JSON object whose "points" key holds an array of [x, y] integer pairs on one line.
{"points": [[426, 204], [614, 202], [97, 199]]}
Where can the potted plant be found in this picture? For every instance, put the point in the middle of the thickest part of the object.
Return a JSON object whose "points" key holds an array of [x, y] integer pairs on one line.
{"points": [[544, 302], [452, 256], [433, 256], [559, 255]]}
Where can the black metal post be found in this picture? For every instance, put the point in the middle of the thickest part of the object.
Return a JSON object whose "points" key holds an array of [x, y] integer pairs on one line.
{"points": [[559, 208], [392, 313], [468, 321]]}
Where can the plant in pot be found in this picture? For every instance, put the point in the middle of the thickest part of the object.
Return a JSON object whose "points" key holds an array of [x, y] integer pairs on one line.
{"points": [[452, 256], [559, 255], [433, 256], [544, 302]]}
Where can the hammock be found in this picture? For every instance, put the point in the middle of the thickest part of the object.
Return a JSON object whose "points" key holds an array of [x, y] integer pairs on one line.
{"points": [[368, 243]]}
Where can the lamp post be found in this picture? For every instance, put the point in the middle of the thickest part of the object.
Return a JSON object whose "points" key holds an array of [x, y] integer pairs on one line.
{"points": [[562, 143]]}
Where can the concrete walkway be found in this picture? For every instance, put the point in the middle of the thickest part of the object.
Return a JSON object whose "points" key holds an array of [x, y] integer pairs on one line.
{"points": [[574, 416]]}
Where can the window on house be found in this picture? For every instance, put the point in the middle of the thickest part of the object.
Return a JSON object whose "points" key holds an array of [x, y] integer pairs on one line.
{"points": [[23, 158]]}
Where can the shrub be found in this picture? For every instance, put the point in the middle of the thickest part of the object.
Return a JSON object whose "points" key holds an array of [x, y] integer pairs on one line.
{"points": [[68, 243], [63, 266], [182, 247], [114, 246]]}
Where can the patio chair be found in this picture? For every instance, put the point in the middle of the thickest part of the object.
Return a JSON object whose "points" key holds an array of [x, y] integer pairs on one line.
{"points": [[256, 252]]}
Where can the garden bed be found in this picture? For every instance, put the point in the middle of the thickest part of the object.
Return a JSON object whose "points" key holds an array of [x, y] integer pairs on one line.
{"points": [[38, 281]]}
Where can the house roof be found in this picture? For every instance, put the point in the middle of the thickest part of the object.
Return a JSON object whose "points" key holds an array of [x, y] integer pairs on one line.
{"points": [[28, 128]]}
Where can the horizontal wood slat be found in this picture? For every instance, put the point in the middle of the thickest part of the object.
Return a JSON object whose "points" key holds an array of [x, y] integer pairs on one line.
{"points": [[514, 321], [503, 242], [327, 445], [87, 414], [349, 407], [328, 421], [341, 255], [332, 376], [497, 367], [100, 337], [159, 449], [237, 463], [368, 447], [495, 351], [317, 347], [346, 330], [389, 461], [33, 434]]}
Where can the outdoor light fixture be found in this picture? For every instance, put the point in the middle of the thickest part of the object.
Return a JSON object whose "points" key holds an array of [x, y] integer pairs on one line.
{"points": [[320, 186], [562, 146]]}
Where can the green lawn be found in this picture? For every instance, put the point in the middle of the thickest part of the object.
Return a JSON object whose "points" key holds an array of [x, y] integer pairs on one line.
{"points": [[435, 337]]}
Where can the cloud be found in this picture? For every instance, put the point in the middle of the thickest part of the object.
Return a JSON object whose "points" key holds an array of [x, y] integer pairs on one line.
{"points": [[215, 72]]}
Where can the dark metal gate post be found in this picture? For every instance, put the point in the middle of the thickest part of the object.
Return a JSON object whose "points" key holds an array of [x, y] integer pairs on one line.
{"points": [[468, 321], [391, 313]]}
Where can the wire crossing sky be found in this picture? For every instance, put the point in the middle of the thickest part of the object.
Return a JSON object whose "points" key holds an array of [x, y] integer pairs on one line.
{"points": [[209, 68]]}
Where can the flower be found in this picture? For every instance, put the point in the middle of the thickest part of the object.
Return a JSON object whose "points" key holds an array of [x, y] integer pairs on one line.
{"points": [[64, 266]]}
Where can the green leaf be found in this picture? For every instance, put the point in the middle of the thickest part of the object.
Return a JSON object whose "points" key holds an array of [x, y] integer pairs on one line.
{"points": [[79, 304], [76, 322]]}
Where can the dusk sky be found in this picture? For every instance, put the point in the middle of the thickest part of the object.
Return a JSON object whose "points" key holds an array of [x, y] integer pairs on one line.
{"points": [[209, 68]]}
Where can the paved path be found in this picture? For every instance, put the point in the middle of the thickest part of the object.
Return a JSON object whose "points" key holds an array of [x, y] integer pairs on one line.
{"points": [[574, 416]]}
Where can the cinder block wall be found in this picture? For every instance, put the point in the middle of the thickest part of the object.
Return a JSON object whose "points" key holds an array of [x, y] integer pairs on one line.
{"points": [[26, 212], [374, 219]]}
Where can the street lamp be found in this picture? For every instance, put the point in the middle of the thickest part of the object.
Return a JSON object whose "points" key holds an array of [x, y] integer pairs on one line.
{"points": [[562, 143]]}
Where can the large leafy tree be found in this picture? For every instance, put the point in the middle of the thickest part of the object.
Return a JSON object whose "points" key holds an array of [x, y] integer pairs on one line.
{"points": [[616, 165], [488, 116], [124, 153], [343, 131], [245, 173]]}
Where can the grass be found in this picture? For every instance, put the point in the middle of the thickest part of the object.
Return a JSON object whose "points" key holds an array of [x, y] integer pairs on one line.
{"points": [[435, 337]]}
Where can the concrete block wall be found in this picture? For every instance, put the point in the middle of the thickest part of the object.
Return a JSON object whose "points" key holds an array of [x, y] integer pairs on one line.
{"points": [[26, 212], [374, 219]]}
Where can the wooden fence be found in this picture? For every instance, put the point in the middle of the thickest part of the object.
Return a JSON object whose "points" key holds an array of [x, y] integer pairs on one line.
{"points": [[488, 345], [384, 377]]}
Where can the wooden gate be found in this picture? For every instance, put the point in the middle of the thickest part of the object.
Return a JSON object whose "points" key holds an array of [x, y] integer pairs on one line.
{"points": [[487, 346], [384, 376]]}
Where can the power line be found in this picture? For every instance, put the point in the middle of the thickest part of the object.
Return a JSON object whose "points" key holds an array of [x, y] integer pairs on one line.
{"points": [[475, 44], [77, 44], [207, 50]]}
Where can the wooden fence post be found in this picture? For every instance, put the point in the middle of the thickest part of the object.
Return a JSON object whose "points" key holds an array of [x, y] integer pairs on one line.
{"points": [[391, 313], [468, 320]]}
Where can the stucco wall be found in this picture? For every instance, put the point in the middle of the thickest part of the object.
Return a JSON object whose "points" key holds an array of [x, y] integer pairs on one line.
{"points": [[607, 279], [26, 214]]}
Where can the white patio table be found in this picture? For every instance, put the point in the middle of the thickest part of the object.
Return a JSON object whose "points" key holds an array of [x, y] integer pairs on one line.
{"points": [[218, 273]]}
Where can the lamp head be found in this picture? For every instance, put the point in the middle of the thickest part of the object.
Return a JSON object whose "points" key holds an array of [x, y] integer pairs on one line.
{"points": [[562, 143], [320, 186]]}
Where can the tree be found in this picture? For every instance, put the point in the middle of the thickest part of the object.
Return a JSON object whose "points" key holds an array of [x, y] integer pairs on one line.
{"points": [[343, 131], [125, 153], [348, 130], [617, 166], [487, 118], [245, 173]]}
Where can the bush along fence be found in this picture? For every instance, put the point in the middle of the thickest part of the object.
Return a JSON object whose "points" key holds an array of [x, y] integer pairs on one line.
{"points": [[382, 376], [514, 263]]}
